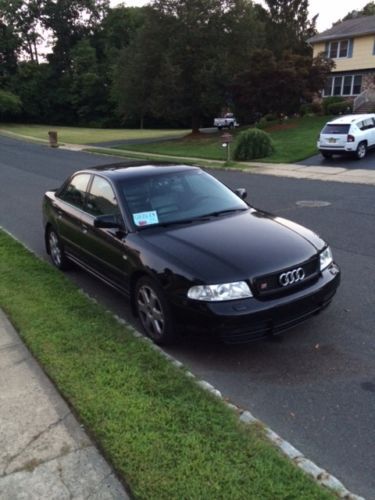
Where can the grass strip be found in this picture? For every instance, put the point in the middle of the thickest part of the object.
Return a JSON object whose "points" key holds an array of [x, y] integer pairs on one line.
{"points": [[163, 434], [85, 135], [294, 140]]}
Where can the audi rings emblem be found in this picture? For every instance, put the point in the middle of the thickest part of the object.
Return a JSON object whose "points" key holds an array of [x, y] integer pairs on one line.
{"points": [[291, 277]]}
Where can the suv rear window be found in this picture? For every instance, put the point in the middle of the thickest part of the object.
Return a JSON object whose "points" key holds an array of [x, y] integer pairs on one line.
{"points": [[336, 129]]}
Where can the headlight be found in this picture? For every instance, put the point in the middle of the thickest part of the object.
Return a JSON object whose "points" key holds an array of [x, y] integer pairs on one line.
{"points": [[225, 291], [325, 258]]}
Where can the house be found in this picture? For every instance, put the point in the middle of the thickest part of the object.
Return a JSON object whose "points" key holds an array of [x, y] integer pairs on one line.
{"points": [[351, 45]]}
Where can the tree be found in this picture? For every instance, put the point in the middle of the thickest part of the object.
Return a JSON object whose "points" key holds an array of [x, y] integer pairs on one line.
{"points": [[368, 10], [9, 47], [189, 47], [288, 26], [273, 85], [23, 16], [10, 104], [70, 21]]}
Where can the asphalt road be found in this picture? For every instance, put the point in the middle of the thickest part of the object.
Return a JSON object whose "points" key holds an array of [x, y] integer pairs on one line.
{"points": [[368, 163], [315, 385]]}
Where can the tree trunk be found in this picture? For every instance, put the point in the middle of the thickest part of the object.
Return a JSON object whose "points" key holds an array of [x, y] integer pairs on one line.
{"points": [[141, 122], [195, 122]]}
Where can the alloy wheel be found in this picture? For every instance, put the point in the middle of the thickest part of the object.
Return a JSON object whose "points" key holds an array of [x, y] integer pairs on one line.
{"points": [[150, 311], [54, 246]]}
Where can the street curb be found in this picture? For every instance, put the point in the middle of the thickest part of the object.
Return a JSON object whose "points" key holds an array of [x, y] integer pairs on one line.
{"points": [[321, 476]]}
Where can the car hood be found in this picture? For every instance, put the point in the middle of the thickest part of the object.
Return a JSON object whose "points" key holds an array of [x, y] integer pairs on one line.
{"points": [[233, 247]]}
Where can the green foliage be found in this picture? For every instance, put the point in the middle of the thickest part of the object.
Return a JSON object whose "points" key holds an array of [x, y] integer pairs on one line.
{"points": [[252, 144], [340, 108], [10, 104], [328, 101], [311, 108], [288, 26], [368, 10], [271, 85]]}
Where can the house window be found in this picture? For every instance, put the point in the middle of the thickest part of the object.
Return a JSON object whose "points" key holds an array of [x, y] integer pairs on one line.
{"points": [[338, 49], [357, 84], [337, 85], [343, 85]]}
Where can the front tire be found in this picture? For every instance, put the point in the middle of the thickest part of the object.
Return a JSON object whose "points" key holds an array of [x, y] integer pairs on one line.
{"points": [[153, 311], [56, 250], [361, 151]]}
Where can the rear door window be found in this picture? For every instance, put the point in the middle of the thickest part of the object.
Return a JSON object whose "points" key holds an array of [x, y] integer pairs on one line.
{"points": [[339, 129], [75, 192]]}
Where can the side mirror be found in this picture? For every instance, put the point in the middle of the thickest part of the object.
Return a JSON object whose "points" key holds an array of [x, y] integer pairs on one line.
{"points": [[241, 193], [107, 222]]}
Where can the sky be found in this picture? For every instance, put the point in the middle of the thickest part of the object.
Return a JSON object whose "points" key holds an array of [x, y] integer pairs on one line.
{"points": [[329, 10]]}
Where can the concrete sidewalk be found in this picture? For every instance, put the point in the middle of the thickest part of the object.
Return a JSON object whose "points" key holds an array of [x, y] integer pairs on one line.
{"points": [[44, 452]]}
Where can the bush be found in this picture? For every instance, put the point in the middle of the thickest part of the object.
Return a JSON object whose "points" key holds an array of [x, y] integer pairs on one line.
{"points": [[340, 108], [327, 101], [252, 143], [311, 108], [10, 104], [306, 109]]}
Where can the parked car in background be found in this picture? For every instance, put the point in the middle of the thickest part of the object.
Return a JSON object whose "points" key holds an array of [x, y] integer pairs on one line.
{"points": [[227, 121], [190, 253], [350, 134]]}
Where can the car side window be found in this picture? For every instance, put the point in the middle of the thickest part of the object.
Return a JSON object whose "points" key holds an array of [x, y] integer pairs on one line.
{"points": [[366, 124], [75, 192], [101, 199]]}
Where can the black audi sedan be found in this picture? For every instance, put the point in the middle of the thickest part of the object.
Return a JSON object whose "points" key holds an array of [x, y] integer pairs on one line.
{"points": [[189, 253]]}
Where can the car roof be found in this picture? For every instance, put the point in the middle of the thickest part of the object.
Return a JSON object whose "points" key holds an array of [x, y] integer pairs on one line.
{"points": [[119, 171], [348, 119]]}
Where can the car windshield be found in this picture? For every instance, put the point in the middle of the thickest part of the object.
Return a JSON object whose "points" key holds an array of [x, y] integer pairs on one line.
{"points": [[178, 197], [339, 128]]}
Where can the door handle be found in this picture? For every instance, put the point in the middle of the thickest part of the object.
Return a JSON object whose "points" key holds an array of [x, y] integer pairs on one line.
{"points": [[58, 210], [84, 228]]}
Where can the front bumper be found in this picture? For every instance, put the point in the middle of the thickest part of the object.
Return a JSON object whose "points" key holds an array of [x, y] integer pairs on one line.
{"points": [[252, 319]]}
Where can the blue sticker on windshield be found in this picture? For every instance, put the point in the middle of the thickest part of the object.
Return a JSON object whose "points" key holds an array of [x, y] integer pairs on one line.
{"points": [[145, 218]]}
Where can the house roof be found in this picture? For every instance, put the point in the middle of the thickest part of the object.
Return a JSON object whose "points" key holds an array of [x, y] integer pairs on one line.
{"points": [[359, 26]]}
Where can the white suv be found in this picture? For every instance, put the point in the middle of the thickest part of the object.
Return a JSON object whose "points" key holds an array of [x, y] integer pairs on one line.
{"points": [[348, 134]]}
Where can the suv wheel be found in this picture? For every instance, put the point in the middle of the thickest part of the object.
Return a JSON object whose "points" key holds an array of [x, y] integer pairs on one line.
{"points": [[326, 155], [361, 150]]}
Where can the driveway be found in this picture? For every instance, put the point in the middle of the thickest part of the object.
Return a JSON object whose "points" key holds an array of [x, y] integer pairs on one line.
{"points": [[368, 163], [315, 385]]}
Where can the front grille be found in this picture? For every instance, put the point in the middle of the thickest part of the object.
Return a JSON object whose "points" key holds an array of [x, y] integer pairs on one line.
{"points": [[269, 286]]}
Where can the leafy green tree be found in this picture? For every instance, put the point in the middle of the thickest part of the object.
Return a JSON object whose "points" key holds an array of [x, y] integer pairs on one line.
{"points": [[24, 16], [70, 21], [273, 85], [190, 48], [368, 10], [288, 26], [9, 47], [10, 104]]}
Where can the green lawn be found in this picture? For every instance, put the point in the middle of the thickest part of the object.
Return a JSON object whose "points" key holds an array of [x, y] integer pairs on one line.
{"points": [[79, 135], [294, 140], [166, 437]]}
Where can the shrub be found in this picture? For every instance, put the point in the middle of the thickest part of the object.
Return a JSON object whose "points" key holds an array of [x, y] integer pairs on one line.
{"points": [[311, 108], [10, 104], [331, 100], [252, 143], [306, 109], [340, 108]]}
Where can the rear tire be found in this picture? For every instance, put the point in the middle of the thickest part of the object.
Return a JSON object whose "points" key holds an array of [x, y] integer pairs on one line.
{"points": [[326, 155], [154, 312], [56, 250], [361, 151]]}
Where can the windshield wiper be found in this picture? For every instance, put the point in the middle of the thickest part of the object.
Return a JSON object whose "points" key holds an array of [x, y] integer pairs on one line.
{"points": [[223, 212], [185, 221]]}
